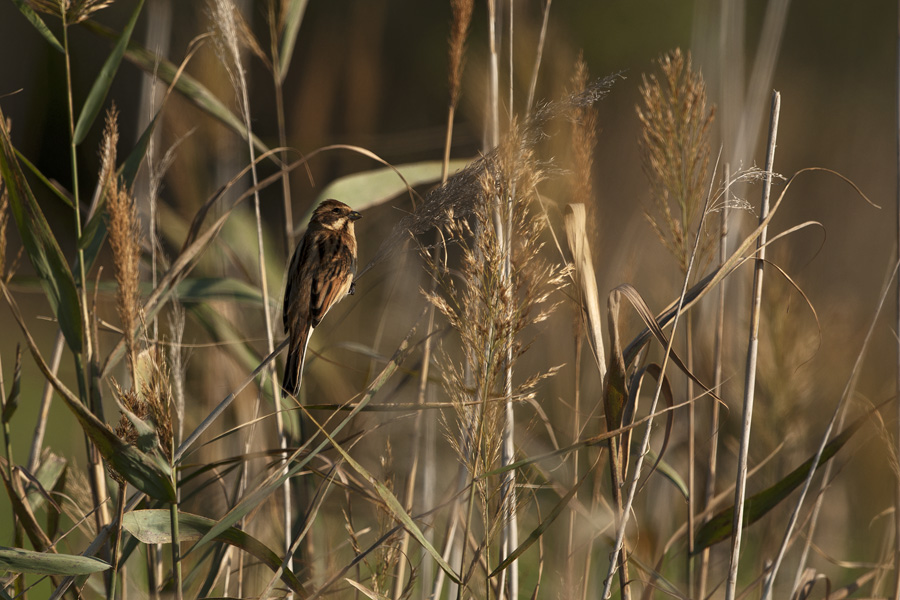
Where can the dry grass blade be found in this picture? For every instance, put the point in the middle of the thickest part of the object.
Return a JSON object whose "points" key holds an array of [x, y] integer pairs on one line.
{"points": [[586, 281]]}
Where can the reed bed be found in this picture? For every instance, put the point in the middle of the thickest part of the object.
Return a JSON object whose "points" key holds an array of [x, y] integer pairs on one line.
{"points": [[503, 409]]}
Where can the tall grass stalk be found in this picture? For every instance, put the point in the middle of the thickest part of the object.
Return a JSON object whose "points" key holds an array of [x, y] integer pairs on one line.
{"points": [[227, 44], [584, 141], [461, 19], [768, 48], [83, 358], [713, 461], [897, 322], [275, 19], [509, 539], [752, 354]]}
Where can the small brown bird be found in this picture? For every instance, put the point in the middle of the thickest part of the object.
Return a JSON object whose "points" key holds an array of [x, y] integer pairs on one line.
{"points": [[320, 275]]}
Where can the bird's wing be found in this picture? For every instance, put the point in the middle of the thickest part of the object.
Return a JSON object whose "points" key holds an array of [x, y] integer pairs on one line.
{"points": [[294, 287], [331, 285]]}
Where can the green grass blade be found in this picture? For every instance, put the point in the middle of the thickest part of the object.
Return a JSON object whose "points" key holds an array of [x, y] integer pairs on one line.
{"points": [[370, 188], [43, 179], [155, 527], [41, 245], [28, 561], [186, 85], [719, 527], [49, 473], [39, 24], [12, 401], [104, 80], [289, 35], [130, 167]]}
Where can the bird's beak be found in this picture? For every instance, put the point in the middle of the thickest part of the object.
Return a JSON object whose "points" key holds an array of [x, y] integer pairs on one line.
{"points": [[354, 215]]}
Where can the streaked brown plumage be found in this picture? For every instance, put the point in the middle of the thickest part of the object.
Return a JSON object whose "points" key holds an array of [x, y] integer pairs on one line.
{"points": [[320, 275]]}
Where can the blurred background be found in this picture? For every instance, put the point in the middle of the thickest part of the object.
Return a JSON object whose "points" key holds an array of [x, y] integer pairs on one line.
{"points": [[374, 74]]}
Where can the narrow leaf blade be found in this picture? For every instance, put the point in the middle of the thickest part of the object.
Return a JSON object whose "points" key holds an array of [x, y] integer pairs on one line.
{"points": [[39, 24], [289, 36], [100, 89], [28, 561], [41, 245], [719, 527], [370, 188]]}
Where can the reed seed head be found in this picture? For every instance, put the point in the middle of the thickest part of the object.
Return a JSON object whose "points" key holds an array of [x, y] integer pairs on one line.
{"points": [[675, 148]]}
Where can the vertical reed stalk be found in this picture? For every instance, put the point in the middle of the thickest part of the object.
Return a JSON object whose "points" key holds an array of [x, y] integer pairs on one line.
{"points": [[228, 41], [897, 323], [176, 549], [459, 30], [712, 465], [752, 354], [84, 358], [116, 545], [277, 79], [692, 487]]}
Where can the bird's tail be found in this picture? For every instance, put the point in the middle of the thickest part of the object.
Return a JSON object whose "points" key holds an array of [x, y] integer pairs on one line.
{"points": [[296, 357]]}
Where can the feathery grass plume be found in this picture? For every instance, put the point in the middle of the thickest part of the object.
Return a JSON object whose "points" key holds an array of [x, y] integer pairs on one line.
{"points": [[224, 22], [490, 312], [584, 139], [124, 239], [458, 196], [459, 31], [675, 126], [74, 11]]}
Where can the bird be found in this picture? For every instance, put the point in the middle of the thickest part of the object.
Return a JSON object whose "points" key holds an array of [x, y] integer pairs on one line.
{"points": [[320, 274]]}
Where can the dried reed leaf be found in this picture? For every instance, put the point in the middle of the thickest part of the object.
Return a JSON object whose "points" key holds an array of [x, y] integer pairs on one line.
{"points": [[586, 281]]}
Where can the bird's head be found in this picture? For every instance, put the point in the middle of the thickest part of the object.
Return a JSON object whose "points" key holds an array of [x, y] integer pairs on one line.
{"points": [[334, 215]]}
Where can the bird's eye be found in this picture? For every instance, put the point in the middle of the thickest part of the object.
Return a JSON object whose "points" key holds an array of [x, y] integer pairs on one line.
{"points": [[336, 211]]}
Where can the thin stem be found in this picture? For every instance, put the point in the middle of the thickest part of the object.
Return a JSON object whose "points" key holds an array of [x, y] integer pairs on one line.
{"points": [[288, 248], [752, 354], [40, 427], [493, 127], [510, 534], [692, 484], [277, 77], [537, 60], [897, 327], [576, 434], [117, 543], [83, 359], [6, 440], [176, 551], [712, 465]]}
